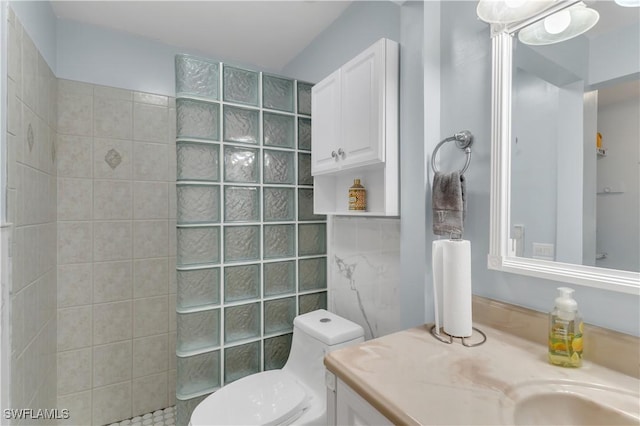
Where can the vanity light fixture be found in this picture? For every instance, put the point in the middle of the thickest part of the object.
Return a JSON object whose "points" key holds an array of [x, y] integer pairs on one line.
{"points": [[509, 11], [628, 3], [560, 26]]}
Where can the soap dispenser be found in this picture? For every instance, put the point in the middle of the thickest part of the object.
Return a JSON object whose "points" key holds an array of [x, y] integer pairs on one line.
{"points": [[565, 331]]}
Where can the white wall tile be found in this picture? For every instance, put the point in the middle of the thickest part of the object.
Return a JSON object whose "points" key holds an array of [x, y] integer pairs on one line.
{"points": [[79, 406], [112, 281], [75, 108], [111, 403], [113, 118], [173, 277], [74, 328], [14, 55], [171, 387], [150, 316], [29, 72], [75, 156], [111, 363], [75, 199], [173, 201], [171, 352], [31, 137], [122, 151], [112, 241], [150, 123], [31, 253], [150, 200], [42, 81], [150, 393], [150, 238], [112, 199], [75, 242], [150, 161], [14, 110], [111, 322], [74, 371], [150, 355], [150, 277], [112, 93], [151, 99], [17, 325], [172, 313]]}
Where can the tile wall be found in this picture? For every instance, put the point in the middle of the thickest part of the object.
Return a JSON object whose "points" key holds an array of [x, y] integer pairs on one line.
{"points": [[116, 252], [364, 271], [31, 178]]}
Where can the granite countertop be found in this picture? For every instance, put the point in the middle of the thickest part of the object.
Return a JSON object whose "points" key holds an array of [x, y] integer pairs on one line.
{"points": [[412, 378]]}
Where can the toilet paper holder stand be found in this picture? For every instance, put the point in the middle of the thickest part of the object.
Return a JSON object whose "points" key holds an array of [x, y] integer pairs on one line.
{"points": [[449, 338]]}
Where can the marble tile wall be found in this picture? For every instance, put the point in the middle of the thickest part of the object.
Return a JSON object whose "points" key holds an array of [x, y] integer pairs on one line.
{"points": [[31, 202], [364, 271], [116, 252]]}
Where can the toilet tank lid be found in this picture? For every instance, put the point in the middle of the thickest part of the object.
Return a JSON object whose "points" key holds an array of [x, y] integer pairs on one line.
{"points": [[327, 327]]}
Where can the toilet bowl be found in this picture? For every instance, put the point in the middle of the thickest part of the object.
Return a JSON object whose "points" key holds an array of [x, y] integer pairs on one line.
{"points": [[296, 394]]}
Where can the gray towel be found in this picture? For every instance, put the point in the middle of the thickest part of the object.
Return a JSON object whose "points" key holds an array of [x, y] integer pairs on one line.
{"points": [[448, 203]]}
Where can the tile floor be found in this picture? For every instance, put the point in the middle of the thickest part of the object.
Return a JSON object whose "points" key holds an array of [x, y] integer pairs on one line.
{"points": [[166, 417]]}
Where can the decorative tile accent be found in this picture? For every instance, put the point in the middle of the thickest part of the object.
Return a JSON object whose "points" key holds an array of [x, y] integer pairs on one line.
{"points": [[113, 158]]}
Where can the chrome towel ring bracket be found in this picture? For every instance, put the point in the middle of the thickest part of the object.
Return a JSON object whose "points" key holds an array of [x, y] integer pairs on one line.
{"points": [[464, 140]]}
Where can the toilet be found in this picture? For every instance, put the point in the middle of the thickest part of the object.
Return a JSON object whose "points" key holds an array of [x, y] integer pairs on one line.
{"points": [[296, 394]]}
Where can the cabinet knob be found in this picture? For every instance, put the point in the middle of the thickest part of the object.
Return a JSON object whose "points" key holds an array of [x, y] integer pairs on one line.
{"points": [[340, 152], [334, 155]]}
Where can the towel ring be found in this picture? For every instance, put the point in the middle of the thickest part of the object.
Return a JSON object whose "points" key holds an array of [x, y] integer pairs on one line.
{"points": [[464, 140]]}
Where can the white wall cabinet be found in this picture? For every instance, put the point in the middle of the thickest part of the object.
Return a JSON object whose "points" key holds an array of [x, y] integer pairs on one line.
{"points": [[355, 133]]}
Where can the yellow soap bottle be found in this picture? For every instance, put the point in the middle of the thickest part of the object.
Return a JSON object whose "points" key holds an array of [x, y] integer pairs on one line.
{"points": [[565, 331], [357, 196]]}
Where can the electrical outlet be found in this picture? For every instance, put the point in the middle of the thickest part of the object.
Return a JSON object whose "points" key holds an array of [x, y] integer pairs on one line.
{"points": [[543, 251]]}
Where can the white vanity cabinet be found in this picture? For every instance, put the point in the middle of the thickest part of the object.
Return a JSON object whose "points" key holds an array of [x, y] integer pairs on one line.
{"points": [[355, 132], [349, 408]]}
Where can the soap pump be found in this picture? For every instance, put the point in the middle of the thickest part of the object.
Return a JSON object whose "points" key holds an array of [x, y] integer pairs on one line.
{"points": [[565, 331]]}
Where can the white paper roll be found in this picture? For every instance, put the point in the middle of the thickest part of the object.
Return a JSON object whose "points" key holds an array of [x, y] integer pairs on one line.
{"points": [[436, 266], [456, 288]]}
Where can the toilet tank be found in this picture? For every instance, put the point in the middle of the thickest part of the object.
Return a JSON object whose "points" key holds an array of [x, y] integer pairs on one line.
{"points": [[314, 335]]}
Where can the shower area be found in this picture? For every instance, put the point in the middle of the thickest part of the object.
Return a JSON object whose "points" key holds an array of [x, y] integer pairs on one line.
{"points": [[160, 246], [251, 255]]}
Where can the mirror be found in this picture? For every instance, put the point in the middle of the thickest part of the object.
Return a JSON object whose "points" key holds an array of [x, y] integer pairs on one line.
{"points": [[563, 207]]}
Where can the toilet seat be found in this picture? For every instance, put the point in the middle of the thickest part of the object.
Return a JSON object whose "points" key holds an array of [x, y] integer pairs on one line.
{"points": [[268, 398]]}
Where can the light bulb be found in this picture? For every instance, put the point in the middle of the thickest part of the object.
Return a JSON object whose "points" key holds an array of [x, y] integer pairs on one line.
{"points": [[558, 22]]}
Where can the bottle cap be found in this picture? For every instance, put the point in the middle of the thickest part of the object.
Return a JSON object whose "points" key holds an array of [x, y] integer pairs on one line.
{"points": [[356, 181], [565, 302]]}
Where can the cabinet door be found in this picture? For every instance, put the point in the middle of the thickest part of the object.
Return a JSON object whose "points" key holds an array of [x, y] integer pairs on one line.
{"points": [[325, 124], [352, 409], [362, 138]]}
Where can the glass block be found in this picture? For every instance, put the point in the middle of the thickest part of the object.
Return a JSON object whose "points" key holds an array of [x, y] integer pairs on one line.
{"points": [[279, 315], [304, 98], [276, 351], [278, 167], [241, 164], [196, 119], [198, 288], [312, 239], [279, 241], [241, 204], [240, 361], [241, 243], [304, 169], [304, 134], [241, 125], [305, 205], [241, 282], [278, 204], [313, 274], [240, 85], [198, 161], [184, 409], [241, 322], [277, 93], [198, 245], [198, 77], [198, 330], [278, 130], [198, 373], [312, 302], [279, 278], [198, 203]]}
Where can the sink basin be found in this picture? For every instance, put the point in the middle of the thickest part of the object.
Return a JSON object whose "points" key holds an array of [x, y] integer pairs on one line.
{"points": [[559, 402]]}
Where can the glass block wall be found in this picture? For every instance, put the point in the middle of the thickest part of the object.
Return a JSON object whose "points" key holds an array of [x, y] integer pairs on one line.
{"points": [[251, 253]]}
